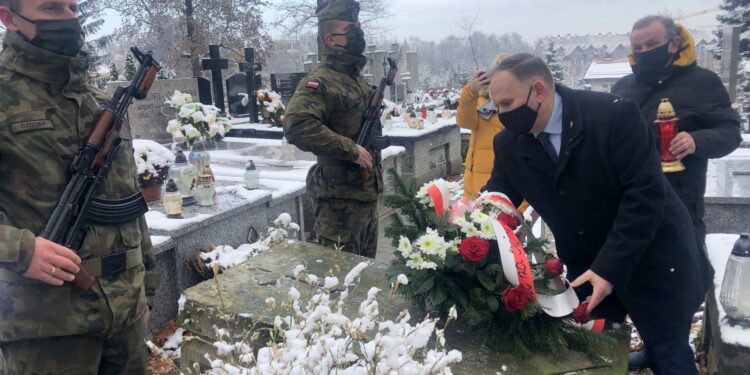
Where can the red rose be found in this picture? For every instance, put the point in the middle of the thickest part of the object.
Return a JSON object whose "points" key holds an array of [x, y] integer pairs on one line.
{"points": [[554, 267], [474, 249], [580, 315], [511, 221], [517, 298]]}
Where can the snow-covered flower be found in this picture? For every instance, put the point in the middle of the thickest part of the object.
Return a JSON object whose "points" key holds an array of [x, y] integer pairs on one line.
{"points": [[293, 294], [186, 111], [402, 279], [354, 273], [298, 270], [191, 131], [331, 282]]}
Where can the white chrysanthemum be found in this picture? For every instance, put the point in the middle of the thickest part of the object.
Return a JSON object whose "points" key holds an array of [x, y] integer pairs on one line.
{"points": [[488, 231], [428, 244], [415, 261], [404, 246], [469, 230], [173, 126], [460, 221], [479, 216]]}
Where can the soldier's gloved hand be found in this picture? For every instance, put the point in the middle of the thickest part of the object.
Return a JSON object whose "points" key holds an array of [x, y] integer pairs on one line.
{"points": [[52, 263], [365, 159]]}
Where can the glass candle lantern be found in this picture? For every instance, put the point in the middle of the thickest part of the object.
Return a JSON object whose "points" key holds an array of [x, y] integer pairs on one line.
{"points": [[735, 288], [184, 175], [172, 200], [252, 176], [204, 188], [666, 128]]}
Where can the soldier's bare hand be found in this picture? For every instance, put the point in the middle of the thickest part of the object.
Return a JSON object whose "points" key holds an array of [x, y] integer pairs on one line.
{"points": [[365, 159], [52, 263], [682, 145], [478, 81]]}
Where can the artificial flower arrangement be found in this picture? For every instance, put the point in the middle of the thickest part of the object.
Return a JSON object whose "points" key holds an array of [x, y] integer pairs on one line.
{"points": [[195, 121], [470, 254], [271, 106]]}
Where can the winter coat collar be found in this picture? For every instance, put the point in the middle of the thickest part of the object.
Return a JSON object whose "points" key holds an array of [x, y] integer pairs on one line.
{"points": [[686, 56], [344, 62], [573, 127], [26, 59]]}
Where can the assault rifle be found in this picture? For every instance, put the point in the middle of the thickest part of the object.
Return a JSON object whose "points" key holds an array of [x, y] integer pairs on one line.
{"points": [[77, 205], [368, 137]]}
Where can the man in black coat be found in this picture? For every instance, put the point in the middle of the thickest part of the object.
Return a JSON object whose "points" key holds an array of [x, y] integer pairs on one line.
{"points": [[587, 163], [664, 62]]}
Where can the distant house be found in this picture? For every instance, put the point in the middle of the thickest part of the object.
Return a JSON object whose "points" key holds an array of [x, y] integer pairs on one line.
{"points": [[603, 73]]}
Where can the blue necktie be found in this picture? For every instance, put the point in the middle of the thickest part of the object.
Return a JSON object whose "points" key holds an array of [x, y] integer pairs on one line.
{"points": [[547, 145]]}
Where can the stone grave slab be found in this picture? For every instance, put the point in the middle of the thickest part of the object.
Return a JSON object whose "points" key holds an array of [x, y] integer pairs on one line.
{"points": [[239, 294], [237, 85], [432, 152]]}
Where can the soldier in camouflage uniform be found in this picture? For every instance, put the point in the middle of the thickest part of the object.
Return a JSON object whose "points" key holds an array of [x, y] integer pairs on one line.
{"points": [[324, 117], [47, 326]]}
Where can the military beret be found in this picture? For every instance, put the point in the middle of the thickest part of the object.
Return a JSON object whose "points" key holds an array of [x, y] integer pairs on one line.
{"points": [[343, 10]]}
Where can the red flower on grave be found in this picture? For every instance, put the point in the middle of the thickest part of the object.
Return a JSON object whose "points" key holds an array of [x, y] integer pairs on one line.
{"points": [[474, 249], [554, 267], [511, 221], [517, 298], [580, 314]]}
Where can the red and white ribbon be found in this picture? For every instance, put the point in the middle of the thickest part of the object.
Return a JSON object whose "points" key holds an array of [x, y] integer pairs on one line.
{"points": [[440, 194]]}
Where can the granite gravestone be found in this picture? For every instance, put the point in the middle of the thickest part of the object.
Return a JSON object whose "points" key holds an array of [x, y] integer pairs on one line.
{"points": [[236, 90], [148, 117], [285, 84], [204, 91]]}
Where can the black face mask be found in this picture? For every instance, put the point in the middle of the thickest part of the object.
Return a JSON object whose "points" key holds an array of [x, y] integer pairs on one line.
{"points": [[62, 37], [520, 120], [355, 41], [649, 64]]}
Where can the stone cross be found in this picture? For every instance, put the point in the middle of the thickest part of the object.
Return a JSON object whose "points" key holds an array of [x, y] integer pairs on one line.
{"points": [[250, 67], [215, 64]]}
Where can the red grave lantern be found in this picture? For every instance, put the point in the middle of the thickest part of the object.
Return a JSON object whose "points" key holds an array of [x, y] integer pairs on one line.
{"points": [[666, 127]]}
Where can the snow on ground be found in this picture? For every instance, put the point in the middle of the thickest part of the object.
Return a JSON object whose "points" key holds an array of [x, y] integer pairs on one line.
{"points": [[264, 127], [401, 129], [158, 220], [254, 141], [719, 247], [158, 240], [240, 191]]}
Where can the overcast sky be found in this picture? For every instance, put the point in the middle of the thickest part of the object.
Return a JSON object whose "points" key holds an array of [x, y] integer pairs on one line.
{"points": [[435, 19]]}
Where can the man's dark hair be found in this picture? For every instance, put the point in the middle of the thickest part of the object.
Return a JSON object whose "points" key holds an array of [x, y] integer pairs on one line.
{"points": [[526, 67], [666, 21], [12, 4]]}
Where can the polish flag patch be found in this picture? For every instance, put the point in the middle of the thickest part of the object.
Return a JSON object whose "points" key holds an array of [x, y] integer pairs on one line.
{"points": [[312, 85]]}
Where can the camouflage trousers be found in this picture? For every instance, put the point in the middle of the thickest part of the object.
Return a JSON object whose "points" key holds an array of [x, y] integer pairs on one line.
{"points": [[122, 352], [349, 224]]}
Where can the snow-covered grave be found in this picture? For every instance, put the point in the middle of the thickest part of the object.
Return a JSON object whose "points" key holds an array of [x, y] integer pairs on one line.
{"points": [[729, 345], [242, 303], [431, 152], [728, 193]]}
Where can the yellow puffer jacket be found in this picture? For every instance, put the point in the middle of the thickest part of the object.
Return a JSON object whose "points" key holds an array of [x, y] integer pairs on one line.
{"points": [[481, 157]]}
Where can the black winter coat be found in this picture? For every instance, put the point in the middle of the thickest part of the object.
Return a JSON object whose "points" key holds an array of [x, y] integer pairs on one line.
{"points": [[705, 112], [611, 210]]}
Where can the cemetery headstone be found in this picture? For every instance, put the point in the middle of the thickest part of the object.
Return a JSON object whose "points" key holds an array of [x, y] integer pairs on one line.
{"points": [[236, 87], [148, 117], [285, 84], [215, 64], [251, 83], [204, 91]]}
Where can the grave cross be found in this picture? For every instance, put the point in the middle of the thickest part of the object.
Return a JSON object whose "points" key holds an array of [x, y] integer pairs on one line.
{"points": [[251, 68], [215, 64]]}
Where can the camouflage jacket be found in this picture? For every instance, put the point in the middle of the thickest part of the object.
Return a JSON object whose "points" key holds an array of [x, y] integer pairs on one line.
{"points": [[46, 111], [324, 117]]}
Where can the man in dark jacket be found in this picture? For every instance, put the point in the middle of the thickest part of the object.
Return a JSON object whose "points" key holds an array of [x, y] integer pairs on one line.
{"points": [[586, 162], [664, 66]]}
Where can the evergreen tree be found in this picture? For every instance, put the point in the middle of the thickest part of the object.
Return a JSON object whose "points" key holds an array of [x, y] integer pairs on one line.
{"points": [[550, 55], [91, 12], [737, 12], [129, 67], [114, 75]]}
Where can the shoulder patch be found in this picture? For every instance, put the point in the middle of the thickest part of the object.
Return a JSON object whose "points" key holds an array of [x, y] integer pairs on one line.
{"points": [[312, 85]]}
